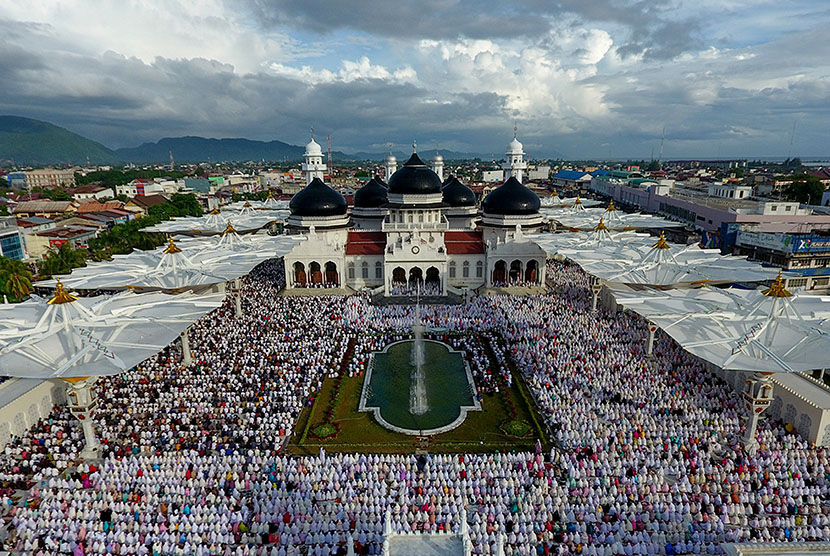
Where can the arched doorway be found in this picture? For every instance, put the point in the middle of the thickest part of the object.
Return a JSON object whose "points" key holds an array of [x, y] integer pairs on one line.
{"points": [[532, 272], [433, 282], [299, 274], [500, 273], [331, 273], [515, 271], [416, 277], [314, 271], [398, 276]]}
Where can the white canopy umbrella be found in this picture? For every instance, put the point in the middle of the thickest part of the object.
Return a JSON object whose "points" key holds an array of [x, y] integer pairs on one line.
{"points": [[80, 339], [586, 218], [635, 259], [203, 262], [247, 206], [759, 331], [93, 336], [567, 204], [561, 243], [216, 221]]}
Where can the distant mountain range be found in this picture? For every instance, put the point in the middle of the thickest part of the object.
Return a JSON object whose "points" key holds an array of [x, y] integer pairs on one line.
{"points": [[28, 141]]}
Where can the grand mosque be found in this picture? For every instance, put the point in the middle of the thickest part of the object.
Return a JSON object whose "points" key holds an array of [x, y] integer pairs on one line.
{"points": [[414, 230]]}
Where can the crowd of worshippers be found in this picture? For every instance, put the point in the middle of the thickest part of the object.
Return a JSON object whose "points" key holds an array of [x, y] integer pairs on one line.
{"points": [[648, 458]]}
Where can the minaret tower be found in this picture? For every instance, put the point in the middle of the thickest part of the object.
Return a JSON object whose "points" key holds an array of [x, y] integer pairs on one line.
{"points": [[438, 165], [314, 167], [515, 164], [391, 164]]}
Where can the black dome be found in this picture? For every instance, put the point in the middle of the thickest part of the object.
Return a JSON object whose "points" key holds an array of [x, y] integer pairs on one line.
{"points": [[317, 199], [371, 195], [456, 194], [414, 178], [511, 198]]}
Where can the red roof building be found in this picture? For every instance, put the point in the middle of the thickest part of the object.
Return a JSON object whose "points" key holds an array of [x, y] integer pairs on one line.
{"points": [[365, 243], [464, 243]]}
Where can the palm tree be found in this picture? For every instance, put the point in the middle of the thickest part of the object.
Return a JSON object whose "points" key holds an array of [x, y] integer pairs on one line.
{"points": [[15, 279]]}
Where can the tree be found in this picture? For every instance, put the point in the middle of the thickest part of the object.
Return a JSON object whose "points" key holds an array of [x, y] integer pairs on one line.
{"points": [[15, 279], [4, 209], [805, 189], [61, 261]]}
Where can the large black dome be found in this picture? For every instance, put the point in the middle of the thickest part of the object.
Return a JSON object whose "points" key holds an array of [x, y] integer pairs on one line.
{"points": [[511, 198], [317, 199], [414, 178], [456, 194], [371, 195]]}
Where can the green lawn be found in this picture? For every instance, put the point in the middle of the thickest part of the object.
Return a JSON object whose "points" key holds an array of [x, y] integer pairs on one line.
{"points": [[481, 431]]}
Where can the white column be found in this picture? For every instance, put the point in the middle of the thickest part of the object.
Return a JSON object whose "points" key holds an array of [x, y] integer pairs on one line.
{"points": [[82, 402], [652, 328], [596, 287], [237, 296], [187, 358], [757, 397]]}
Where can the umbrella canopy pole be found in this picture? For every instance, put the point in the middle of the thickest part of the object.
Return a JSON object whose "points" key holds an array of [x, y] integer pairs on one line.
{"points": [[652, 328], [82, 403], [236, 291], [187, 357], [596, 287], [757, 397]]}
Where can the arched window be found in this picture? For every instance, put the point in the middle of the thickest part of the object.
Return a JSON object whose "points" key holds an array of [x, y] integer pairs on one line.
{"points": [[465, 269], [379, 270], [420, 216], [452, 269], [351, 271], [364, 270], [479, 269]]}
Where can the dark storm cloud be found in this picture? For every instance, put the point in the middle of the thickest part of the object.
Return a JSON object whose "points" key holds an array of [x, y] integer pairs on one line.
{"points": [[434, 19], [649, 24], [126, 101]]}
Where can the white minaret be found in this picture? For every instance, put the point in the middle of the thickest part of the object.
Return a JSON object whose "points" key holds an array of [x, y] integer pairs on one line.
{"points": [[391, 165], [438, 165], [314, 167], [515, 164]]}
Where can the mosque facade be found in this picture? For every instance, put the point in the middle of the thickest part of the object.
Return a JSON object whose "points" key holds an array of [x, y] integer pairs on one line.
{"points": [[414, 230]]}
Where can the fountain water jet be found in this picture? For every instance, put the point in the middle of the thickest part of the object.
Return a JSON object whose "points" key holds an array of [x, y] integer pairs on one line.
{"points": [[418, 404]]}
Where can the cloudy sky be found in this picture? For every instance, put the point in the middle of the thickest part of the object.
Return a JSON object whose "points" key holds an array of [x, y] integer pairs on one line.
{"points": [[580, 78]]}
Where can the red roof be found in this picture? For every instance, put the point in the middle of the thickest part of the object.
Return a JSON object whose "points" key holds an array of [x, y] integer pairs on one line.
{"points": [[365, 243], [464, 243]]}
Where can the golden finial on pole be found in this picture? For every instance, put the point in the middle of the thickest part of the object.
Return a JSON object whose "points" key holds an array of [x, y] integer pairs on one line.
{"points": [[600, 226], [229, 229], [61, 295], [777, 288], [662, 243], [171, 248]]}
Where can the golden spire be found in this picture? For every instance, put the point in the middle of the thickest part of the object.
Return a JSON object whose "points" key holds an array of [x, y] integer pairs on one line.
{"points": [[171, 248], [229, 229], [269, 196], [777, 288], [611, 207], [600, 226], [662, 243], [247, 203], [61, 295], [214, 211], [555, 193], [578, 201]]}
